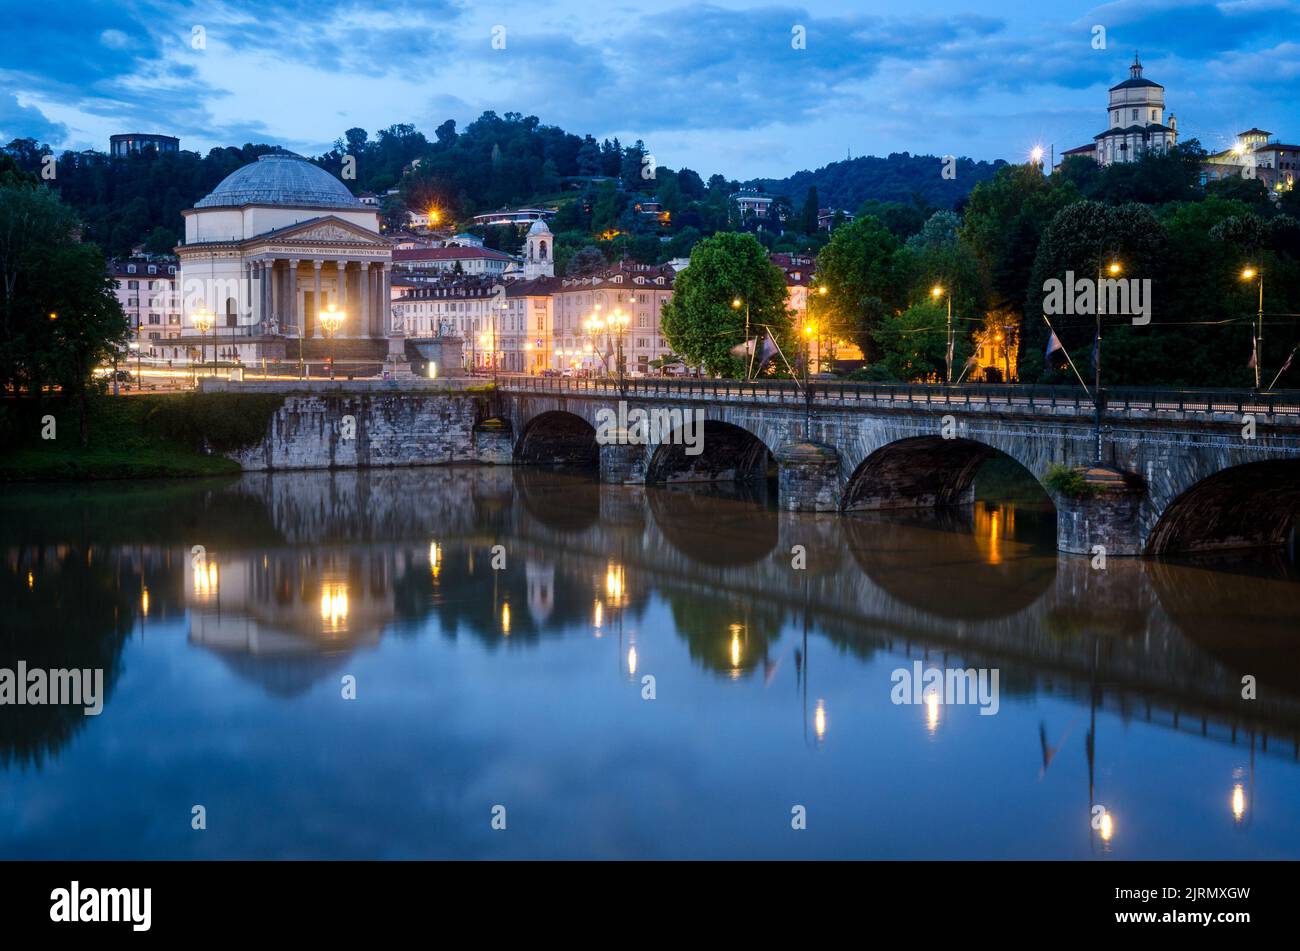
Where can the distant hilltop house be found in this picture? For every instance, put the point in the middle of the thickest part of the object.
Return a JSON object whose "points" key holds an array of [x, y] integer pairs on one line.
{"points": [[1255, 156], [826, 217], [752, 202], [514, 216], [129, 143]]}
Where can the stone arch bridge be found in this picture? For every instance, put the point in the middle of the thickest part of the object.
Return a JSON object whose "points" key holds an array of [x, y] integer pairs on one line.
{"points": [[1187, 470]]}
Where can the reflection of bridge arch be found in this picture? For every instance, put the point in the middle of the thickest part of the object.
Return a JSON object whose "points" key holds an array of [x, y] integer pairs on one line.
{"points": [[558, 437], [1246, 506], [728, 453], [996, 559], [920, 472], [567, 505], [718, 528]]}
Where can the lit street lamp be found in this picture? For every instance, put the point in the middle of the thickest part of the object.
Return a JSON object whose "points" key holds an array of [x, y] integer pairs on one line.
{"points": [[203, 320], [936, 292], [331, 318], [1250, 274], [1114, 269]]}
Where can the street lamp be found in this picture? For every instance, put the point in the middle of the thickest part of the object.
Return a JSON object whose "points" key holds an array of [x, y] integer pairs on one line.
{"points": [[1250, 273], [736, 304], [618, 323], [1114, 269], [331, 318], [203, 320], [594, 326], [936, 292]]}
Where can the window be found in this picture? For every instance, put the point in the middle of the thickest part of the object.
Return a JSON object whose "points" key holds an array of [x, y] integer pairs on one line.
{"points": [[1135, 115], [155, 319], [132, 285], [1153, 115]]}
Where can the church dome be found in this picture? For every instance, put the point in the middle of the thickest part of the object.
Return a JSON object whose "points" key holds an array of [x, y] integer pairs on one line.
{"points": [[280, 179], [539, 227]]}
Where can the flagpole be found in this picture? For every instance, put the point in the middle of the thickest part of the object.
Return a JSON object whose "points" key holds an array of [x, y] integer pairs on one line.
{"points": [[1067, 356], [1286, 364]]}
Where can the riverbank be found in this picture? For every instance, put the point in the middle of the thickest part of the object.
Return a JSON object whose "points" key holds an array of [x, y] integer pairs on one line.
{"points": [[130, 437]]}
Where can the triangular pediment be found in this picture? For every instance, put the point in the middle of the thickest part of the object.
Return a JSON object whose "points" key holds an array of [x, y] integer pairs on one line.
{"points": [[327, 229]]}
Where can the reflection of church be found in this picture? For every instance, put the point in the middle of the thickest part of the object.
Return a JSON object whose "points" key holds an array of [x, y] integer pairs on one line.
{"points": [[285, 619]]}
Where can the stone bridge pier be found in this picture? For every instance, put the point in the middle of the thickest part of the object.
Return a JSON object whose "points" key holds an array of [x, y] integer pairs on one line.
{"points": [[1183, 480]]}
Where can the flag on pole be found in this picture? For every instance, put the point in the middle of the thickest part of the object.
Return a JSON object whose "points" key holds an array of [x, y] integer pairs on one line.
{"points": [[1287, 365], [1053, 344], [1254, 352], [767, 351], [742, 350]]}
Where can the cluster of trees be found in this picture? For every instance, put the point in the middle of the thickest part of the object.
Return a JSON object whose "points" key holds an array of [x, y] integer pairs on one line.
{"points": [[889, 274], [506, 160], [59, 315]]}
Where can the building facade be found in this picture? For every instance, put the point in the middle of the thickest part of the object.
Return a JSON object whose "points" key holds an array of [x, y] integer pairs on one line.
{"points": [[1136, 124], [1256, 155], [128, 143], [276, 244], [148, 291]]}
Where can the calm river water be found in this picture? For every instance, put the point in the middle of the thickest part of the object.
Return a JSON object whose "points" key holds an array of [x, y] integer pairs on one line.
{"points": [[516, 677]]}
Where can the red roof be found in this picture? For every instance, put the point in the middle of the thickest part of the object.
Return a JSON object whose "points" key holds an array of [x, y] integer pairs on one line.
{"points": [[447, 254]]}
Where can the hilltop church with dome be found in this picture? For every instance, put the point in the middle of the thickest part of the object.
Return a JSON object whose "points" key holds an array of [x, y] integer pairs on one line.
{"points": [[1136, 122], [275, 243]]}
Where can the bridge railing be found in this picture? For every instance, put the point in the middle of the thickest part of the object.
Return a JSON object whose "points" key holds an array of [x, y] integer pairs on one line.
{"points": [[990, 397]]}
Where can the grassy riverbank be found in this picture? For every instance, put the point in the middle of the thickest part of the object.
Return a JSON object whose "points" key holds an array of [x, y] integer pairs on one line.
{"points": [[130, 437]]}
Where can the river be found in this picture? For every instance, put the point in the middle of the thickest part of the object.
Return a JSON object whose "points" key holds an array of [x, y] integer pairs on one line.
{"points": [[496, 662]]}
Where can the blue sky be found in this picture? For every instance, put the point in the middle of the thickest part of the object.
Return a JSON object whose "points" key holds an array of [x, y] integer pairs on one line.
{"points": [[715, 86]]}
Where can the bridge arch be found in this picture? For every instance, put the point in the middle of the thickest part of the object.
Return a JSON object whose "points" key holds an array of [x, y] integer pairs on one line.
{"points": [[558, 438], [727, 453], [923, 472], [1250, 505]]}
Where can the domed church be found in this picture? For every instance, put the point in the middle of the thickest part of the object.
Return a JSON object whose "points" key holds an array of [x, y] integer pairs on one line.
{"points": [[273, 245]]}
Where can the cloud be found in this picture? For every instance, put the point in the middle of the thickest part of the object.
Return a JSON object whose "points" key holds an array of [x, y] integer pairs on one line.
{"points": [[27, 122]]}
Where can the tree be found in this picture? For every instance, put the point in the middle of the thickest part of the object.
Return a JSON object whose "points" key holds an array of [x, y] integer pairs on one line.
{"points": [[160, 241], [585, 262], [59, 314], [913, 345], [701, 323], [859, 270], [808, 214]]}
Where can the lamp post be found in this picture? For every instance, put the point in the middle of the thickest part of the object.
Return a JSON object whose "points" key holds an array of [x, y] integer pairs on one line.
{"points": [[618, 323], [936, 292], [203, 320], [1250, 273], [1114, 269], [821, 292], [331, 318], [135, 345], [808, 331], [736, 304], [594, 326]]}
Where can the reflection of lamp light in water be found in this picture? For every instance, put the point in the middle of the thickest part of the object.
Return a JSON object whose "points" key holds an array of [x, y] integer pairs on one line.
{"points": [[435, 558], [505, 618], [932, 709], [144, 602], [207, 579], [614, 583], [597, 615], [31, 581], [1107, 827], [334, 605], [631, 660], [1238, 802], [819, 719], [735, 646]]}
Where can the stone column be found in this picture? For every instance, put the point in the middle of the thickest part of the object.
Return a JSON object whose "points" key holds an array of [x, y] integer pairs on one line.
{"points": [[294, 318], [363, 291], [386, 296], [343, 305], [268, 289], [313, 320]]}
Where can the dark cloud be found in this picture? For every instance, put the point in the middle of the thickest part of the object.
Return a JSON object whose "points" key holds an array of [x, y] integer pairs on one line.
{"points": [[26, 122]]}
